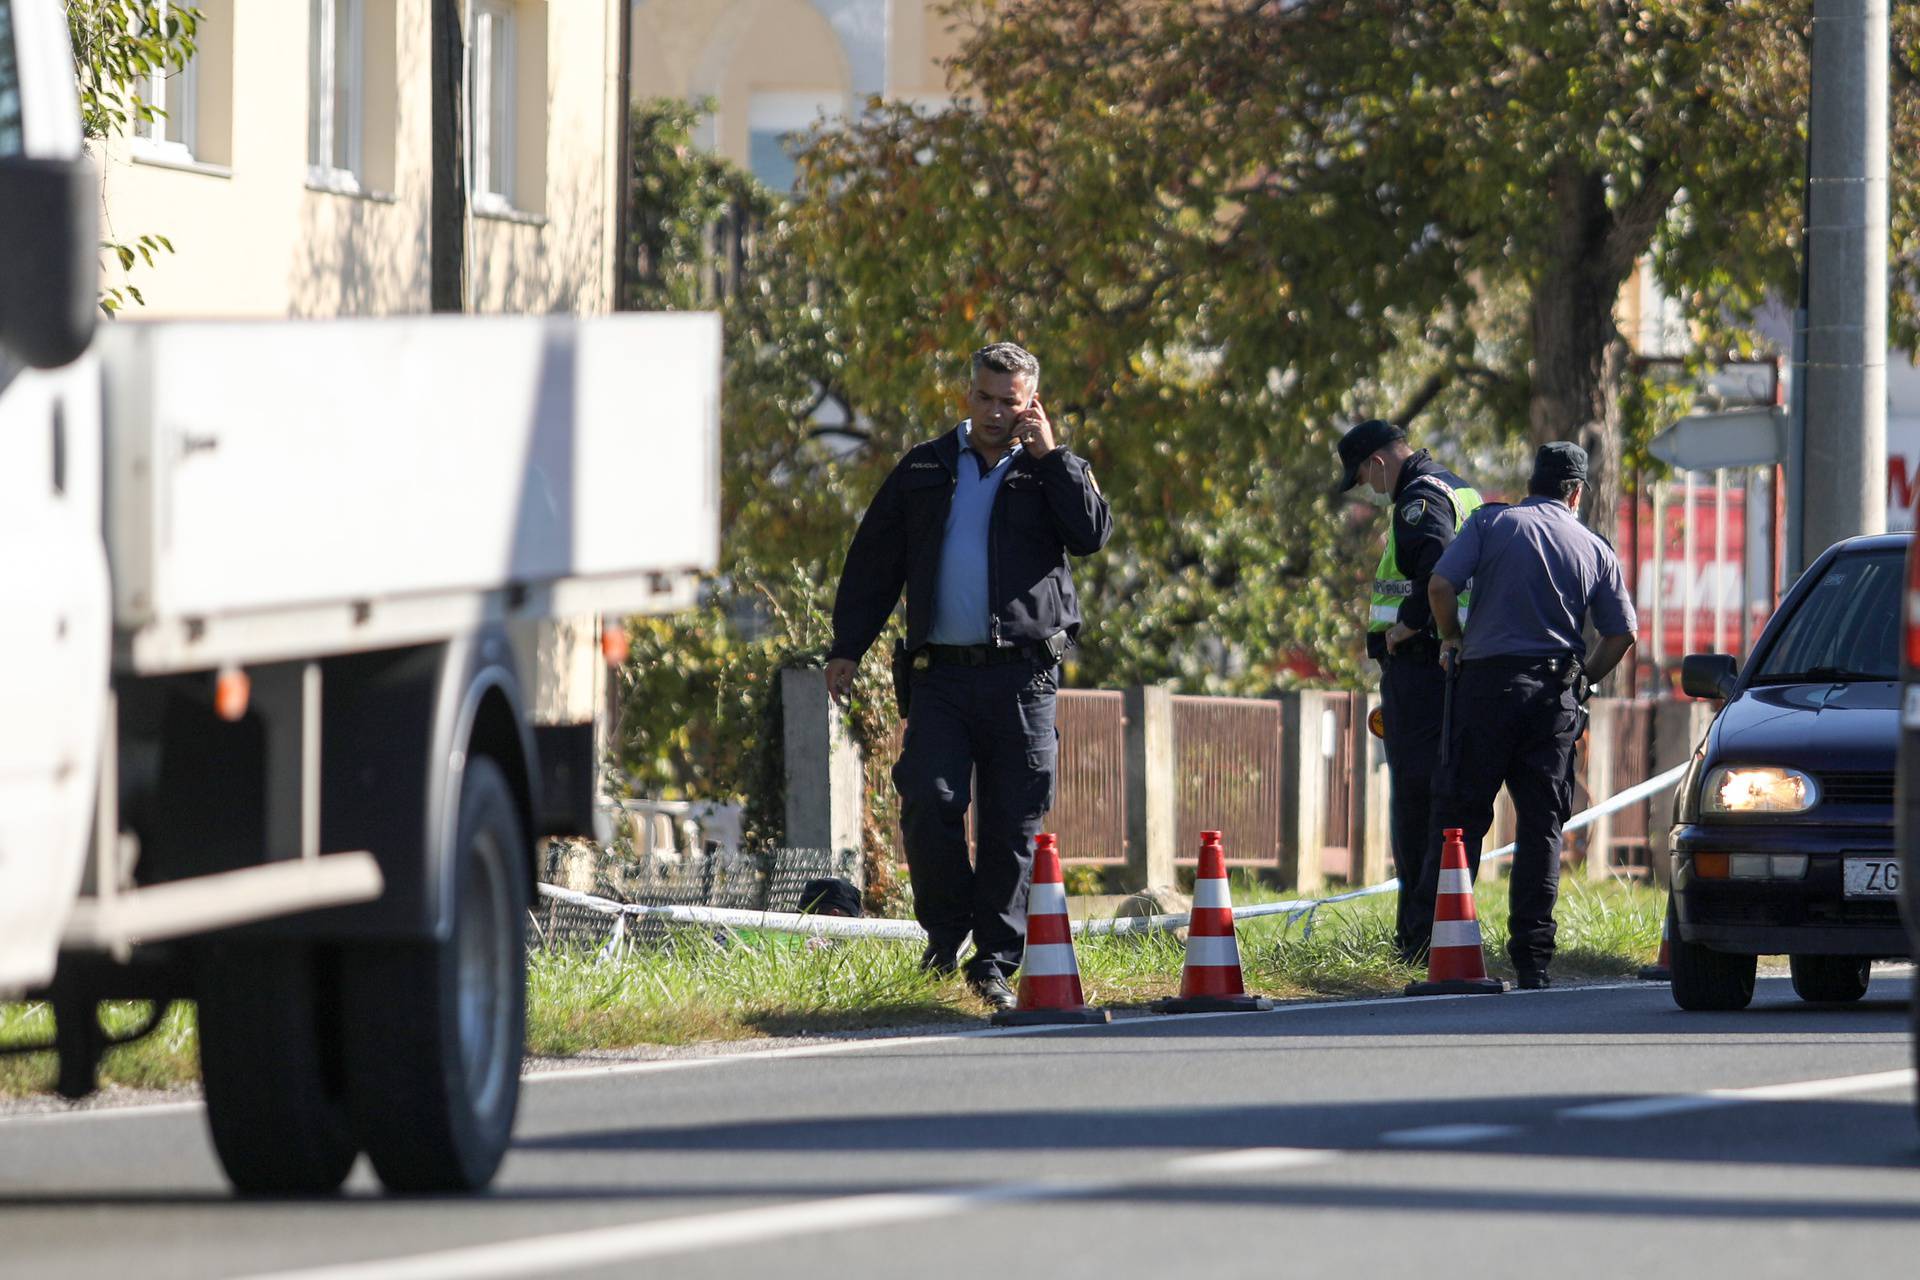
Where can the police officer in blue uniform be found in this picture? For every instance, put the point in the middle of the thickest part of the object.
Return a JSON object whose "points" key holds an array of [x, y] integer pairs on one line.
{"points": [[1429, 504], [1539, 576], [976, 526]]}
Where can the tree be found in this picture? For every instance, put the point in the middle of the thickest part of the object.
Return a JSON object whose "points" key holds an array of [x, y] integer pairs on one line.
{"points": [[1231, 227], [117, 44]]}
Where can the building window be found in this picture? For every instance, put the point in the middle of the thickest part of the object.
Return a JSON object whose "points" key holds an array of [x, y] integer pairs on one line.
{"points": [[494, 55], [773, 119], [12, 135], [172, 98], [336, 70]]}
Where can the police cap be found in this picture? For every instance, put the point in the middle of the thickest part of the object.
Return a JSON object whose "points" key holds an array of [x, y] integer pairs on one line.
{"points": [[1558, 461], [1361, 443]]}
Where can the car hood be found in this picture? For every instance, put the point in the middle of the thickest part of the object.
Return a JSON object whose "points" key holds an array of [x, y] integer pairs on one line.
{"points": [[1821, 728]]}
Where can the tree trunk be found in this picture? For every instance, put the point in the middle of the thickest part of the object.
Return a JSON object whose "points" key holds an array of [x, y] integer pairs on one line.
{"points": [[447, 216], [1579, 356]]}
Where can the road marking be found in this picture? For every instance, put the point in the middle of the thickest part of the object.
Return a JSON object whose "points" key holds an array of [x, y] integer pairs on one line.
{"points": [[991, 1033], [1252, 1160], [1793, 1091], [604, 1246], [1447, 1135]]}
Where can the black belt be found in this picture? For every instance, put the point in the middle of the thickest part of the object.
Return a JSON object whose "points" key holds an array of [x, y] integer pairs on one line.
{"points": [[985, 655], [1418, 649], [1557, 663]]}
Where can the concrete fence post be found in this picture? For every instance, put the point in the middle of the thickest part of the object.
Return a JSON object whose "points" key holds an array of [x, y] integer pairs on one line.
{"points": [[1152, 801], [1303, 788], [825, 785], [1376, 801]]}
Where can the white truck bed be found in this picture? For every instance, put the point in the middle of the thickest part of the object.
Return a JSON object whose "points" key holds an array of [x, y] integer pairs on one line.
{"points": [[291, 489]]}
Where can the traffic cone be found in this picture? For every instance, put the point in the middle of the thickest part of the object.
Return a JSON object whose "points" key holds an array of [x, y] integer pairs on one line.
{"points": [[1661, 970], [1210, 981], [1049, 974], [1455, 966]]}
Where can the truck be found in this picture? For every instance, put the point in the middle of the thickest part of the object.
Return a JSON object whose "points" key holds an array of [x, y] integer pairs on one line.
{"points": [[275, 600]]}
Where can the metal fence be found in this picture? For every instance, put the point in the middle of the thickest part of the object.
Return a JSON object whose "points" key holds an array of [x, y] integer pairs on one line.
{"points": [[1090, 795], [1228, 771]]}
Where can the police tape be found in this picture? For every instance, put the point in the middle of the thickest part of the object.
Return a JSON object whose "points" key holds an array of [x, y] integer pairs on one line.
{"points": [[1306, 906], [908, 931]]}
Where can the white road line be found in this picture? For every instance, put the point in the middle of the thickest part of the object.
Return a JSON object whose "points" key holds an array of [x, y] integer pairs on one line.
{"points": [[603, 1246], [1793, 1091], [1447, 1135], [989, 1033], [1252, 1160]]}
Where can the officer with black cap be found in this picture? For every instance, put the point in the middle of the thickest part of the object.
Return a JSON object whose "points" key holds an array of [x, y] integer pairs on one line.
{"points": [[1539, 576], [1430, 504]]}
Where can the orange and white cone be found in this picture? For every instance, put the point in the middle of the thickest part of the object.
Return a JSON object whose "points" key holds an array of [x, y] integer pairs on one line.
{"points": [[1049, 974], [1455, 965], [1210, 982], [1661, 970]]}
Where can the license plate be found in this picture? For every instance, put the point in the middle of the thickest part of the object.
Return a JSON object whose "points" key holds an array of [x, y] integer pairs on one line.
{"points": [[1871, 877]]}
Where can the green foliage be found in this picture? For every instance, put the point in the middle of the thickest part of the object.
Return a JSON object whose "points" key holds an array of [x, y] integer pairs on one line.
{"points": [[116, 45], [1228, 230]]}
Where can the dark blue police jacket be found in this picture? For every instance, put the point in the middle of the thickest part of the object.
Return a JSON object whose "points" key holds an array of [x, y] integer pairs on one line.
{"points": [[1046, 509]]}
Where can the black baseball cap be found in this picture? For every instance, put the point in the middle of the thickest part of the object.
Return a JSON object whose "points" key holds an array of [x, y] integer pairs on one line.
{"points": [[1558, 460], [1361, 443]]}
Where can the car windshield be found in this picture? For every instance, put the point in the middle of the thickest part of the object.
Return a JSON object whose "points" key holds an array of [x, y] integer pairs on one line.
{"points": [[1846, 628]]}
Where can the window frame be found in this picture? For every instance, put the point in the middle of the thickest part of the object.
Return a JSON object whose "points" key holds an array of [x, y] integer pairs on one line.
{"points": [[176, 93], [324, 89], [493, 192]]}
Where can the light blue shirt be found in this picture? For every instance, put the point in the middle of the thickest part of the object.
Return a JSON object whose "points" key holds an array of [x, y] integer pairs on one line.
{"points": [[1538, 574], [960, 607]]}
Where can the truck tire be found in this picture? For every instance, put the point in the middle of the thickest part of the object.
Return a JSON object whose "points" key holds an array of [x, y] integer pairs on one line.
{"points": [[271, 1064], [1706, 980], [436, 1030], [1830, 979]]}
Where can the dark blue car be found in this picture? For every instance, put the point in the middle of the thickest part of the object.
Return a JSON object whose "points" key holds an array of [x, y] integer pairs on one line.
{"points": [[1783, 837]]}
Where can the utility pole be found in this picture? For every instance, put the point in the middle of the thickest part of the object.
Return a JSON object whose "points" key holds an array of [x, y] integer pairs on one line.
{"points": [[447, 215], [1842, 437]]}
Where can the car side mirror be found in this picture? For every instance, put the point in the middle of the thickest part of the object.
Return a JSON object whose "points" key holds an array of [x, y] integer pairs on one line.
{"points": [[49, 258], [1708, 675]]}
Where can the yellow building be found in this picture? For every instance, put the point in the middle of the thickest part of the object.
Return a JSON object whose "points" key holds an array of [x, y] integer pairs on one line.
{"points": [[293, 169], [773, 67]]}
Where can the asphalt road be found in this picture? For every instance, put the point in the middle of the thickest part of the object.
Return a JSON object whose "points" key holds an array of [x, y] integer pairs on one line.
{"points": [[1582, 1132]]}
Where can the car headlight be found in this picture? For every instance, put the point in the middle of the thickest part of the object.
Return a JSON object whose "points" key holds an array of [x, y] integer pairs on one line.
{"points": [[1742, 788]]}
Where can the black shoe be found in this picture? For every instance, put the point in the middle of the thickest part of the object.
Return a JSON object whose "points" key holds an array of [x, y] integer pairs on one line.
{"points": [[938, 960], [994, 990], [1534, 980]]}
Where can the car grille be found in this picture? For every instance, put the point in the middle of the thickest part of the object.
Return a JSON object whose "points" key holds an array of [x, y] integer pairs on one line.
{"points": [[1856, 788]]}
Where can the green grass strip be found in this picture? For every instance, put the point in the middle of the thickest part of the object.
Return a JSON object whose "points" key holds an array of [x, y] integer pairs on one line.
{"points": [[692, 985]]}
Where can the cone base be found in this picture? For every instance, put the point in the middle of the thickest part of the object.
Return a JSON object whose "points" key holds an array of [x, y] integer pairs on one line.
{"points": [[1212, 1004], [1655, 973], [1456, 987], [1085, 1015]]}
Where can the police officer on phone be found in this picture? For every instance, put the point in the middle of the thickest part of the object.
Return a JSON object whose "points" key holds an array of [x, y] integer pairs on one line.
{"points": [[1430, 504], [976, 526], [1539, 576]]}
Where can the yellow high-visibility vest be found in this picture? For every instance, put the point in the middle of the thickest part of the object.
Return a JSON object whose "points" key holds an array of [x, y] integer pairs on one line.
{"points": [[1391, 587]]}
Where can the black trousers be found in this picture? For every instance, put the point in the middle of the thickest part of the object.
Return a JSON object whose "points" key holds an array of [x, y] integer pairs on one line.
{"points": [[1518, 728], [990, 727], [1412, 690]]}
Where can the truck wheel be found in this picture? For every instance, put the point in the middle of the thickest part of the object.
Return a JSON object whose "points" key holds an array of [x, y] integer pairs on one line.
{"points": [[1704, 979], [1830, 979], [436, 1030], [270, 1061]]}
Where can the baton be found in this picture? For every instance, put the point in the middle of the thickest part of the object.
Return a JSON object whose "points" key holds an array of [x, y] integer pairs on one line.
{"points": [[1446, 709]]}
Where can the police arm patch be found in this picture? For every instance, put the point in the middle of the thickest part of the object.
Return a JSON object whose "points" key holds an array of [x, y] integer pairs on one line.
{"points": [[1412, 512]]}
